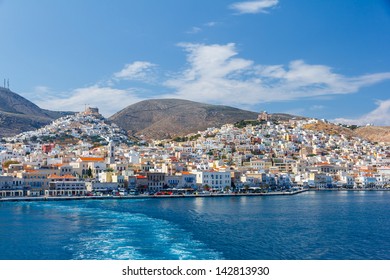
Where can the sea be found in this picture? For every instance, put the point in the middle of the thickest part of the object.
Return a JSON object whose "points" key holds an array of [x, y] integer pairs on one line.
{"points": [[315, 225]]}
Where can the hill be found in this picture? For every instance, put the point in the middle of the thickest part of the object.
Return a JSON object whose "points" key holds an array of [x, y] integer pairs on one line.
{"points": [[159, 118], [164, 118], [91, 128], [374, 133], [370, 133], [330, 128], [17, 114]]}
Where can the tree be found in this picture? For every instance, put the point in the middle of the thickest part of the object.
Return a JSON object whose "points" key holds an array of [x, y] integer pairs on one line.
{"points": [[7, 163], [89, 172], [194, 137], [233, 186], [264, 187]]}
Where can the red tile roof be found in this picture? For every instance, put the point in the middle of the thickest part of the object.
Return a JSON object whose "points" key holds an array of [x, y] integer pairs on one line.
{"points": [[91, 159]]}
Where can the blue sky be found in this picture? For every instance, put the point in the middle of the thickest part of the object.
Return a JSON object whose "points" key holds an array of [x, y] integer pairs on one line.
{"points": [[319, 58]]}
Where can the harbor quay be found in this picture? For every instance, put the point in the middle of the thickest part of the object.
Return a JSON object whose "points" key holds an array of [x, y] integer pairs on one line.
{"points": [[155, 196], [178, 196]]}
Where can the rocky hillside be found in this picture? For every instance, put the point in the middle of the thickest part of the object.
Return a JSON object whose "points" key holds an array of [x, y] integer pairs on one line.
{"points": [[329, 128], [164, 118], [18, 114], [374, 133], [370, 133]]}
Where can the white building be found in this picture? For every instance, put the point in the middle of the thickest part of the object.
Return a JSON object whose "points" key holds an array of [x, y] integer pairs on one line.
{"points": [[214, 179], [10, 186], [133, 156], [66, 185], [156, 181], [183, 180], [100, 187], [84, 164]]}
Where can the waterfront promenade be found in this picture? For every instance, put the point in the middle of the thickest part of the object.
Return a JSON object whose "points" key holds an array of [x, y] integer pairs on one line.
{"points": [[142, 196]]}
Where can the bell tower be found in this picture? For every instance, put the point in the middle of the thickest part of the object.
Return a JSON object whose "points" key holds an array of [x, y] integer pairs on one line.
{"points": [[110, 153]]}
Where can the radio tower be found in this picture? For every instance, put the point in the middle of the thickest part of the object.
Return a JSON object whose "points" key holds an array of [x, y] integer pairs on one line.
{"points": [[6, 84]]}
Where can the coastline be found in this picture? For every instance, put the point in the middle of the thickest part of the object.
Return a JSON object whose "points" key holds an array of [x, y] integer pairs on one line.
{"points": [[354, 190], [61, 198], [53, 198]]}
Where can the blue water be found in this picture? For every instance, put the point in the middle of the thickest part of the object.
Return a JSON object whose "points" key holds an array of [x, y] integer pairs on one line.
{"points": [[311, 225]]}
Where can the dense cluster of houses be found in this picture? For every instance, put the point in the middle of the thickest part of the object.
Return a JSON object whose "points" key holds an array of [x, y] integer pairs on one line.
{"points": [[261, 157]]}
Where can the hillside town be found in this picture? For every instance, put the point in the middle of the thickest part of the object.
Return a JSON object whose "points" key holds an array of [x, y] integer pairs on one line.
{"points": [[83, 155]]}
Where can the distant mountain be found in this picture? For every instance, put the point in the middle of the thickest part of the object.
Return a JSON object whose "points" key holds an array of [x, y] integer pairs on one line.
{"points": [[164, 118], [17, 114], [157, 118]]}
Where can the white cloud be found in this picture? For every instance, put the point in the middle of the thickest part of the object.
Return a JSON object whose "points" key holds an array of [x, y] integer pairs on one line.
{"points": [[305, 80], [296, 111], [102, 94], [197, 29], [379, 116], [211, 23], [108, 100], [39, 93], [253, 7], [211, 72], [215, 74], [316, 107], [194, 30], [41, 89], [137, 71]]}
